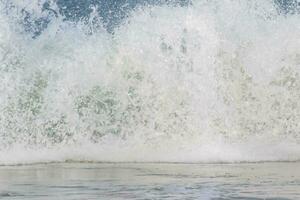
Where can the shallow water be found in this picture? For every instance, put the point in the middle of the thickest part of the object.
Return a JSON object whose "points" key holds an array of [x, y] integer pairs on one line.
{"points": [[151, 181]]}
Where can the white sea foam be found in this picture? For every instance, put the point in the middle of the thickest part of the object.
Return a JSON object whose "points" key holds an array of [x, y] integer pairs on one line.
{"points": [[210, 82]]}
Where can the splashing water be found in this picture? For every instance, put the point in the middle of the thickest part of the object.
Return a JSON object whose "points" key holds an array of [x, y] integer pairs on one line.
{"points": [[213, 81]]}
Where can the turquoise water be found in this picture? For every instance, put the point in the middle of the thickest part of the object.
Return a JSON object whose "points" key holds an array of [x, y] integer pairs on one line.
{"points": [[70, 181]]}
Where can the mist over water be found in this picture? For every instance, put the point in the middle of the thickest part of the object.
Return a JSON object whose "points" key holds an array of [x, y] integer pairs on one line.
{"points": [[201, 81]]}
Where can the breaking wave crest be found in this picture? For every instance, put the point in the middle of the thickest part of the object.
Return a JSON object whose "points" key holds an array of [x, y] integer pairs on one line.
{"points": [[213, 81]]}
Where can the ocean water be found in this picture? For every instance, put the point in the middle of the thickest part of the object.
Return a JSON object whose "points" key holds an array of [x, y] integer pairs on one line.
{"points": [[183, 99], [271, 181], [151, 81]]}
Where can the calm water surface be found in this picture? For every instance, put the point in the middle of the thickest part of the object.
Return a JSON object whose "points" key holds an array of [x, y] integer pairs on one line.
{"points": [[151, 181]]}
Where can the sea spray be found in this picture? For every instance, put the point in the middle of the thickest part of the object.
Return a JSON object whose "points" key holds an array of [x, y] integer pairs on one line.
{"points": [[210, 81]]}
